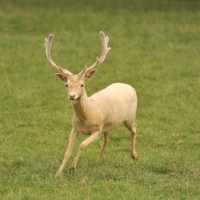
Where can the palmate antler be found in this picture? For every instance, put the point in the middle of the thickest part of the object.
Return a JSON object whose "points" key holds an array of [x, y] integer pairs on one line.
{"points": [[48, 42], [105, 50]]}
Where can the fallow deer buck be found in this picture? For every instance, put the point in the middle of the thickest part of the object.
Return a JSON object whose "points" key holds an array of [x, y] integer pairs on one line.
{"points": [[100, 113]]}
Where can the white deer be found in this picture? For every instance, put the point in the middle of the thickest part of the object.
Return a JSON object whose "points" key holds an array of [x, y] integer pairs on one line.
{"points": [[100, 113]]}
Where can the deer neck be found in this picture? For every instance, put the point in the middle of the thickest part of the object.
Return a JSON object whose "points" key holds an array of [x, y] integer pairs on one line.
{"points": [[82, 106]]}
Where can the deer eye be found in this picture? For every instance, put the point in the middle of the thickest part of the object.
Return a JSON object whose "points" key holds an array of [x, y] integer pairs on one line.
{"points": [[66, 85], [82, 85]]}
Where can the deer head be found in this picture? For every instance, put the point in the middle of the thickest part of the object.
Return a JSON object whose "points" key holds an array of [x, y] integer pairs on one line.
{"points": [[76, 83]]}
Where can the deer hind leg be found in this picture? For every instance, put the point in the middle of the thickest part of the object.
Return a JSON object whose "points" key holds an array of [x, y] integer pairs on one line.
{"points": [[105, 140], [132, 127], [92, 138]]}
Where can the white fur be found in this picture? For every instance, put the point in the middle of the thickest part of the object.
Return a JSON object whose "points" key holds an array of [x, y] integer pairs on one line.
{"points": [[101, 113]]}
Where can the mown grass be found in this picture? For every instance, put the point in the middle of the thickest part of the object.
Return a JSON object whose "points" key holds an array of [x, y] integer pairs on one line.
{"points": [[155, 48]]}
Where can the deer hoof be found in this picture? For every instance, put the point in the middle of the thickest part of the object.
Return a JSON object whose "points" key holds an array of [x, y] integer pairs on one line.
{"points": [[72, 168], [57, 175], [134, 156]]}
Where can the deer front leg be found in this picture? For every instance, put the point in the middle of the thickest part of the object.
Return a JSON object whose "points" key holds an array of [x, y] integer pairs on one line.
{"points": [[72, 140], [105, 140], [92, 138]]}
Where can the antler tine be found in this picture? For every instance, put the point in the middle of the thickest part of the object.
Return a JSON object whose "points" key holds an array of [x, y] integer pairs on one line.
{"points": [[48, 43], [105, 50]]}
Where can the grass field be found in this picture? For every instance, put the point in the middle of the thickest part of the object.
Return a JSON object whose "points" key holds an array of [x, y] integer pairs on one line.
{"points": [[155, 48]]}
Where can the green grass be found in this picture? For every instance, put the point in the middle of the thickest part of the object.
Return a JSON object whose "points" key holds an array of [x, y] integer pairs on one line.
{"points": [[155, 48]]}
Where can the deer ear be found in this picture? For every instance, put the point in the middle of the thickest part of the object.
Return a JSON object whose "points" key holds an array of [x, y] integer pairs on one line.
{"points": [[90, 75], [61, 77]]}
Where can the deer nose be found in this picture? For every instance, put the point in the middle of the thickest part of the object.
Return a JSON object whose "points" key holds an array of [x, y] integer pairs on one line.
{"points": [[71, 96]]}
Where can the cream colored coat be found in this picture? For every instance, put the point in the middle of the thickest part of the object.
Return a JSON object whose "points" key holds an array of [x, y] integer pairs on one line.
{"points": [[100, 113]]}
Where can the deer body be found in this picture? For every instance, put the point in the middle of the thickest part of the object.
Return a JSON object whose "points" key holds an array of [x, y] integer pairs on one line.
{"points": [[100, 113], [106, 109]]}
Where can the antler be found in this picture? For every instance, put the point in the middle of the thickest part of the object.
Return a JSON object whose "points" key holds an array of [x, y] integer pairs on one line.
{"points": [[105, 50], [48, 42]]}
